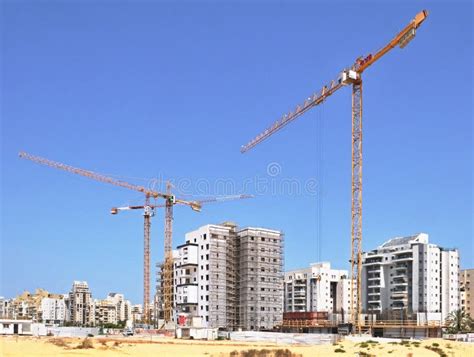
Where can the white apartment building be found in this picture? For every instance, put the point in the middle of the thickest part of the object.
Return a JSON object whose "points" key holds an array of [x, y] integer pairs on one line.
{"points": [[228, 276], [53, 310], [319, 288], [408, 275]]}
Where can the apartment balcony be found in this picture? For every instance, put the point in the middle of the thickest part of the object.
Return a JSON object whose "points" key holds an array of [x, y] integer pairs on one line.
{"points": [[402, 257], [374, 301], [299, 281], [373, 278], [299, 294], [374, 254], [374, 294], [398, 305], [399, 294], [401, 283], [400, 277], [370, 262], [187, 275], [374, 308], [373, 284]]}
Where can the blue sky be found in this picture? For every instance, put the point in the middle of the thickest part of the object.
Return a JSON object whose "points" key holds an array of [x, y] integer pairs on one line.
{"points": [[172, 90]]}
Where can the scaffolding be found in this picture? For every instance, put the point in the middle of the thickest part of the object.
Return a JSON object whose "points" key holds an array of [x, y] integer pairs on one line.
{"points": [[223, 268]]}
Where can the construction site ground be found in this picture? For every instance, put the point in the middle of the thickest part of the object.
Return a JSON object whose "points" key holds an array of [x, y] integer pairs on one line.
{"points": [[165, 346]]}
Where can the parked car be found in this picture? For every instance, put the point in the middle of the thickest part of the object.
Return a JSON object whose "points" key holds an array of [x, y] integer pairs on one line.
{"points": [[128, 332]]}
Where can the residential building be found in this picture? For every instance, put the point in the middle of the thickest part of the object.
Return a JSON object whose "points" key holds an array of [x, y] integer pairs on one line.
{"points": [[123, 306], [137, 312], [319, 288], [53, 310], [407, 276], [105, 312], [3, 308], [466, 282], [260, 278], [230, 277], [80, 304], [27, 306]]}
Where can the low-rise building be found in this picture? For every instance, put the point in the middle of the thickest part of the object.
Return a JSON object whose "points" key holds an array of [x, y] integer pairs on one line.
{"points": [[28, 306], [319, 288]]}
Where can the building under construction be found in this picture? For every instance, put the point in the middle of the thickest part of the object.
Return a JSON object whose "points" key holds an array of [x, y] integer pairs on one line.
{"points": [[232, 278]]}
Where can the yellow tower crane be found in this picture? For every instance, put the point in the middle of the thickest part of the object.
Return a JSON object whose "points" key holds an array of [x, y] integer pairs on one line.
{"points": [[351, 76]]}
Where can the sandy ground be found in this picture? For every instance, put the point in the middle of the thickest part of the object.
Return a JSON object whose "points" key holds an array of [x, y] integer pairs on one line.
{"points": [[46, 346]]}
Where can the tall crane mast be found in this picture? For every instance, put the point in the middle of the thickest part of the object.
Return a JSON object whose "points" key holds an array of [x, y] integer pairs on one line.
{"points": [[353, 77], [170, 200]]}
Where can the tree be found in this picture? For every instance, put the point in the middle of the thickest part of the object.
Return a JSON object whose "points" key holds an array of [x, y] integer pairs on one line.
{"points": [[459, 321]]}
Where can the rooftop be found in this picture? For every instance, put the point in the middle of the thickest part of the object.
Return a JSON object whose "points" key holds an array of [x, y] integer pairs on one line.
{"points": [[397, 241]]}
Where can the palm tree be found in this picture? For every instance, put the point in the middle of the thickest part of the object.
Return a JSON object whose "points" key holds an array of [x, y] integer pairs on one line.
{"points": [[459, 321]]}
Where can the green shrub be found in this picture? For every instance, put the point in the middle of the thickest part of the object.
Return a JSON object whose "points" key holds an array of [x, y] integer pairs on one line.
{"points": [[339, 350], [436, 349]]}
